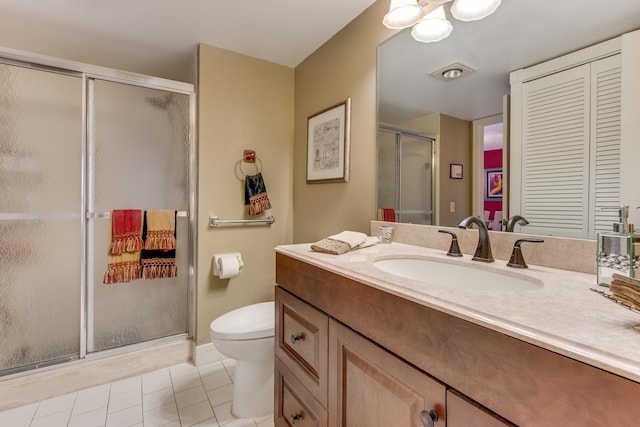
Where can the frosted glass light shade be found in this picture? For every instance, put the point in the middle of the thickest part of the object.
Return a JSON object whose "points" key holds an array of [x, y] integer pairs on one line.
{"points": [[402, 14], [432, 28], [472, 10]]}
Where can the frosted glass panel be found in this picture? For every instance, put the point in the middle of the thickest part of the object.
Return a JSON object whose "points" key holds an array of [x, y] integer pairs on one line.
{"points": [[128, 313], [141, 147], [387, 170], [416, 181], [39, 300], [40, 141], [40, 217], [139, 156]]}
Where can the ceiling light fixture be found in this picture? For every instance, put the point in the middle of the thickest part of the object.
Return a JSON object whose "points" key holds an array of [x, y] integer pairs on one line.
{"points": [[473, 10], [452, 72], [434, 26], [402, 14]]}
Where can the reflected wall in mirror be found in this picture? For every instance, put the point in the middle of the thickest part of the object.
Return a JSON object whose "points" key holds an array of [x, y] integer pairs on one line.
{"points": [[518, 35]]}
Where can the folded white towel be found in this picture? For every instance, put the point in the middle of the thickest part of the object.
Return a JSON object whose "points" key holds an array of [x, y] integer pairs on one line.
{"points": [[352, 238], [369, 241]]}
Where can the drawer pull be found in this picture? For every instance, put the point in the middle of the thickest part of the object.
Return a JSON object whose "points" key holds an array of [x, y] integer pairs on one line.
{"points": [[296, 338], [295, 417], [429, 418]]}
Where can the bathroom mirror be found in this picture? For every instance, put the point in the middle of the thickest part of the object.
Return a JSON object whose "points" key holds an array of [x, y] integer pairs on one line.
{"points": [[519, 34]]}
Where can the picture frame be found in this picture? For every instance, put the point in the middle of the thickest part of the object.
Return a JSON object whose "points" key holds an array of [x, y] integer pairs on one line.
{"points": [[328, 140], [493, 184], [455, 171]]}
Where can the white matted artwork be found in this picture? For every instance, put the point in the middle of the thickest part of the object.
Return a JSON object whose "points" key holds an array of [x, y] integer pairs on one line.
{"points": [[328, 144]]}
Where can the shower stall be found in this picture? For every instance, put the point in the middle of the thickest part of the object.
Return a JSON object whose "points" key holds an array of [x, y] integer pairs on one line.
{"points": [[405, 174], [76, 142]]}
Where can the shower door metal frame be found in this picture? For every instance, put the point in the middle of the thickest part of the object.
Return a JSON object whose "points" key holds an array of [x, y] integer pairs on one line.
{"points": [[399, 133], [88, 72]]}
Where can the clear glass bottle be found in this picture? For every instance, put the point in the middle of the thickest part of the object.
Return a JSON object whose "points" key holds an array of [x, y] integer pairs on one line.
{"points": [[618, 250]]}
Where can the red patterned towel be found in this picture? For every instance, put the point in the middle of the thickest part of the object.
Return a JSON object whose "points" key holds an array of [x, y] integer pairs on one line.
{"points": [[125, 243], [126, 231]]}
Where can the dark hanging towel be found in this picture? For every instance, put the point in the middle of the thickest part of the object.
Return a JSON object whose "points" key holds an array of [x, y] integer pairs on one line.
{"points": [[255, 194], [159, 263]]}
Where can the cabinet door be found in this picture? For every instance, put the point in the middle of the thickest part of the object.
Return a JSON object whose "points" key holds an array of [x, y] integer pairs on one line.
{"points": [[462, 412], [371, 387], [294, 404], [301, 342]]}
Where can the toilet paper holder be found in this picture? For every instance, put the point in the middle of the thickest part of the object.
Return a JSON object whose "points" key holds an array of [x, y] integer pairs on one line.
{"points": [[217, 262]]}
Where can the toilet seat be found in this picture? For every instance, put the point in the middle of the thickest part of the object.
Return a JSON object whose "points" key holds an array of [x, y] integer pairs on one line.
{"points": [[250, 322]]}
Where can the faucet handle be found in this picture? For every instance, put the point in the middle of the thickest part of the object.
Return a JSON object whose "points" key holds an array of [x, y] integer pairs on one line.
{"points": [[454, 249], [517, 259]]}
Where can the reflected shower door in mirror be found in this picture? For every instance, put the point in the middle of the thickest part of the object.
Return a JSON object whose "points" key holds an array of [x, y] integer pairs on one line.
{"points": [[405, 176]]}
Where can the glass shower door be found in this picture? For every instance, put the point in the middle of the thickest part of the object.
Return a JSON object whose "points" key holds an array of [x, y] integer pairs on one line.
{"points": [[138, 158], [405, 176], [41, 226]]}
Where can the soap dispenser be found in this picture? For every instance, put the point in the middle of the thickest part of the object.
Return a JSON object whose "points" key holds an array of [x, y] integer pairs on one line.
{"points": [[616, 251]]}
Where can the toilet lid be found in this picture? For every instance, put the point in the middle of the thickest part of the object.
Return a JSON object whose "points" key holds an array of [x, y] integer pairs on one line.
{"points": [[250, 322]]}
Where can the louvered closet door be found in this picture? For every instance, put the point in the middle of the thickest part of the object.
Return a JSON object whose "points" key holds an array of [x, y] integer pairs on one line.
{"points": [[555, 165], [605, 130], [571, 150]]}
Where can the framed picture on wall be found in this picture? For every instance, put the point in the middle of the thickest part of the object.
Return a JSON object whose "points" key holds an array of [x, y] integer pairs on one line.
{"points": [[455, 171], [328, 144], [493, 184]]}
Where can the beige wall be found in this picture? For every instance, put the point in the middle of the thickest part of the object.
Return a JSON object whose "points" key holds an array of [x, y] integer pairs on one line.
{"points": [[344, 67], [453, 146], [243, 102]]}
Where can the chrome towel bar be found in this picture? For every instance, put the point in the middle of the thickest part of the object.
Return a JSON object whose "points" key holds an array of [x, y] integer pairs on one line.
{"points": [[214, 221], [96, 215]]}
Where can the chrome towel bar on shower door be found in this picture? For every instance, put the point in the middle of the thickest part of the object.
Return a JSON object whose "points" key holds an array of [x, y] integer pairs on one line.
{"points": [[97, 215]]}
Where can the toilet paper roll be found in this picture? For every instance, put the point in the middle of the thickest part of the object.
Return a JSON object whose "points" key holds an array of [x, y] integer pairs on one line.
{"points": [[227, 265]]}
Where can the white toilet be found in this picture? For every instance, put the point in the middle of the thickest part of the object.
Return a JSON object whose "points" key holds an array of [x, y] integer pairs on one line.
{"points": [[246, 335]]}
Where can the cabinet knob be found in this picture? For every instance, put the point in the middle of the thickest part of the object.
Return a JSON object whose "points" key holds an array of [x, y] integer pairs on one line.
{"points": [[295, 417], [296, 338], [429, 418]]}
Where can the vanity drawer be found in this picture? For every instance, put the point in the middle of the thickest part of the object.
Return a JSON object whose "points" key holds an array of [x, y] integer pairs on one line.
{"points": [[301, 342], [294, 404]]}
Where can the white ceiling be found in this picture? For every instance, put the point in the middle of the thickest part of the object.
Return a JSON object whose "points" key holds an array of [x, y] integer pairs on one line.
{"points": [[519, 34], [163, 34]]}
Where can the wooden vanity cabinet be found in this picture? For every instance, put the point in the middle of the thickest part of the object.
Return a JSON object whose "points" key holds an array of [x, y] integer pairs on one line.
{"points": [[463, 412], [368, 386], [301, 342], [377, 344]]}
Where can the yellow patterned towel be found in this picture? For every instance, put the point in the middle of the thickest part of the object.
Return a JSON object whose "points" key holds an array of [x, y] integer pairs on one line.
{"points": [[123, 268], [160, 230]]}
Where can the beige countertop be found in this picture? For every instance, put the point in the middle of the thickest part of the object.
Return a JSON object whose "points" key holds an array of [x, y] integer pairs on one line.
{"points": [[563, 316]]}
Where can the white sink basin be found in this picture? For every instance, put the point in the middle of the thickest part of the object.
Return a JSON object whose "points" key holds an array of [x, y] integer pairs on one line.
{"points": [[455, 275]]}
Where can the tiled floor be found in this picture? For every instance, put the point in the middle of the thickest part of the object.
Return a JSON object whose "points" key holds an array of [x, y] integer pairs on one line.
{"points": [[179, 396]]}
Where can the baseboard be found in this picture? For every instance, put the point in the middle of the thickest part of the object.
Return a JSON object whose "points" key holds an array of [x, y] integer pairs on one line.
{"points": [[205, 354]]}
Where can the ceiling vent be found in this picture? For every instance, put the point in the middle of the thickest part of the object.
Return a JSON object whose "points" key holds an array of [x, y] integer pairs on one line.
{"points": [[452, 72]]}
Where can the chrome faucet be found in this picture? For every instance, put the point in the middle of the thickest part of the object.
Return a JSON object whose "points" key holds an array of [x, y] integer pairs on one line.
{"points": [[516, 219], [483, 251]]}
